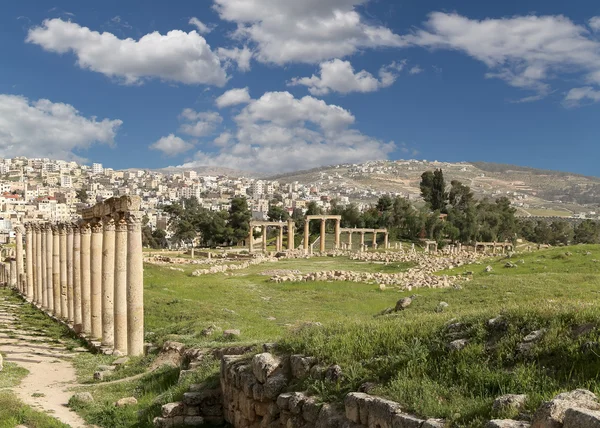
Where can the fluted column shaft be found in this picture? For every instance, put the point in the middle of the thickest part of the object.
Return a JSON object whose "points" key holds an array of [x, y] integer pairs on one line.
{"points": [[290, 232], [96, 279], [42, 267], [19, 253], [264, 238], [49, 262], [306, 235], [77, 278], [337, 234], [56, 271], [251, 239], [38, 264], [322, 242], [13, 273], [121, 286], [69, 262], [280, 239], [135, 287], [64, 306], [108, 282], [86, 311], [374, 244]]}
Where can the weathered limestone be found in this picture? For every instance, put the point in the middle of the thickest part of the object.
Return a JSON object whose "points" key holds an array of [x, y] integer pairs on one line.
{"points": [[86, 310], [89, 274], [135, 286], [306, 236], [290, 231], [120, 280], [96, 279], [64, 307], [108, 281], [76, 277], [56, 271], [19, 253], [70, 291], [49, 279], [29, 260]]}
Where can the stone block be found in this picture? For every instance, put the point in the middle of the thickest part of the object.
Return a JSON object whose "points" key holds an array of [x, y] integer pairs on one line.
{"points": [[403, 420], [193, 421], [381, 412], [434, 423], [509, 401], [283, 400], [263, 365], [301, 365], [191, 411], [581, 418], [310, 410], [351, 406], [507, 423], [274, 386], [162, 422]]}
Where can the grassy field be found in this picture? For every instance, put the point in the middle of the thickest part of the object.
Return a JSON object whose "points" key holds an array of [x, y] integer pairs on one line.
{"points": [[405, 354]]}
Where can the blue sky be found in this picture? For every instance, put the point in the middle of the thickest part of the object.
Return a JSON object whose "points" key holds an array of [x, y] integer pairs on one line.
{"points": [[279, 85]]}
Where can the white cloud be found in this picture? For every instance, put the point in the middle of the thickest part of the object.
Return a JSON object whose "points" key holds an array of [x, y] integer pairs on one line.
{"points": [[199, 124], [45, 129], [308, 31], [171, 145], [525, 51], [241, 57], [339, 76], [416, 70], [201, 26], [176, 56], [279, 132], [576, 95], [233, 97], [594, 23]]}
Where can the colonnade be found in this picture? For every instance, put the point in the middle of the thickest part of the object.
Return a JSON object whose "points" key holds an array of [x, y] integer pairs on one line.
{"points": [[264, 225], [89, 273], [503, 246], [362, 232], [323, 219]]}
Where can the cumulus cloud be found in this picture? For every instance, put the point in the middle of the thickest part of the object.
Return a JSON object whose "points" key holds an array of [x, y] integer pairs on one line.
{"points": [[415, 70], [524, 51], [279, 132], [201, 26], [308, 31], [576, 95], [339, 76], [171, 145], [199, 124], [45, 129], [233, 97], [241, 56], [176, 56], [594, 23]]}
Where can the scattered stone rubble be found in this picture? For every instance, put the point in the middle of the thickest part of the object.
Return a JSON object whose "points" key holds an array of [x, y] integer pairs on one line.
{"points": [[220, 268], [417, 277]]}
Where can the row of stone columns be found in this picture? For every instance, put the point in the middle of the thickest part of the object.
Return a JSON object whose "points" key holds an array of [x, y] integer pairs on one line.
{"points": [[89, 274], [278, 242]]}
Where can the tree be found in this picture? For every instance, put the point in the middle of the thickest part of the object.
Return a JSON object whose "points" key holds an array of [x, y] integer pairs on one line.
{"points": [[433, 190], [562, 232], [82, 195], [277, 213], [587, 232], [239, 219]]}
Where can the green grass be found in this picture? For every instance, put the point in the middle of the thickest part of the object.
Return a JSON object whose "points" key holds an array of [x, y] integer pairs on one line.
{"points": [[179, 307], [407, 355], [11, 375], [13, 412]]}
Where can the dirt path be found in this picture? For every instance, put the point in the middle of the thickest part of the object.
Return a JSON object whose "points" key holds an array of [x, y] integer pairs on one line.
{"points": [[51, 373]]}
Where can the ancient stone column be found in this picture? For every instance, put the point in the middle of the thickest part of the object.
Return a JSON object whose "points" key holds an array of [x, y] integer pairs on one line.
{"points": [[374, 244], [349, 240], [135, 286], [121, 285], [108, 282], [306, 235], [290, 231], [386, 239], [251, 239], [49, 278], [70, 292], [362, 240], [322, 241], [337, 234], [42, 266], [280, 239], [64, 306], [96, 279], [86, 311], [29, 259], [264, 238], [56, 270], [13, 273], [19, 238], [76, 278], [37, 262]]}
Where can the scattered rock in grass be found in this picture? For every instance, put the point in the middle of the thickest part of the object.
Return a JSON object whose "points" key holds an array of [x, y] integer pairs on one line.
{"points": [[581, 418], [507, 423], [382, 287], [551, 413], [458, 344], [441, 306], [82, 397], [534, 336], [98, 375], [583, 329], [271, 319], [232, 333], [403, 304], [105, 368], [367, 387], [488, 269], [127, 401], [121, 361], [510, 265], [208, 331], [509, 402], [333, 373]]}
